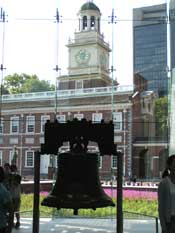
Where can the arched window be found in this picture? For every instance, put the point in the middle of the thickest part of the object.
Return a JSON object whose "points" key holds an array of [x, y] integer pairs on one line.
{"points": [[84, 22], [92, 22]]}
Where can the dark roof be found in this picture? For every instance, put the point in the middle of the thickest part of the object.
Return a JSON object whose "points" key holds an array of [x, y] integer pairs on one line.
{"points": [[89, 6]]}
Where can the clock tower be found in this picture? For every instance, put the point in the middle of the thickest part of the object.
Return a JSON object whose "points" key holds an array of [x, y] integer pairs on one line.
{"points": [[88, 52]]}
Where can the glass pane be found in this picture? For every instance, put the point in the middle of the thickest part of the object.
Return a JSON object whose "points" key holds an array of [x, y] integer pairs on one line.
{"points": [[103, 61]]}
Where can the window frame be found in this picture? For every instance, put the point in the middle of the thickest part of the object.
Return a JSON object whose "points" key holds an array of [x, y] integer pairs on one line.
{"points": [[1, 126], [79, 84], [79, 116], [29, 124], [61, 116], [94, 115], [44, 119], [26, 159], [118, 121], [100, 162], [1, 157], [113, 163], [12, 120]]}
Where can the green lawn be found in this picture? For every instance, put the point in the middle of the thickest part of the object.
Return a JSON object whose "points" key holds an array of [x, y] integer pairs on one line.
{"points": [[139, 206]]}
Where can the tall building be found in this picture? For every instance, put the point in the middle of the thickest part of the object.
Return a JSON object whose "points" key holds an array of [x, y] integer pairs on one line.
{"points": [[150, 46], [172, 32]]}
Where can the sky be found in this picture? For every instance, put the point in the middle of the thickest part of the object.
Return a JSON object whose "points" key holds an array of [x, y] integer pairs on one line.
{"points": [[34, 43]]}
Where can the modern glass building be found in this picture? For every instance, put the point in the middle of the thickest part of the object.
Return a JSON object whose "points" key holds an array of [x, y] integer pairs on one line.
{"points": [[172, 32], [150, 46]]}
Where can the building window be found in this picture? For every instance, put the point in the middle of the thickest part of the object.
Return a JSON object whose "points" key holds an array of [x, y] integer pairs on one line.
{"points": [[0, 158], [29, 159], [1, 126], [84, 22], [14, 121], [61, 118], [79, 84], [100, 161], [96, 117], [113, 161], [13, 156], [13, 140], [43, 121], [117, 119], [92, 22], [29, 140], [30, 124], [117, 139], [79, 116]]}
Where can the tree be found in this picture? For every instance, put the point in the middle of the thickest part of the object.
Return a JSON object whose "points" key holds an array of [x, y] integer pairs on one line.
{"points": [[161, 114], [3, 90], [24, 83], [36, 85]]}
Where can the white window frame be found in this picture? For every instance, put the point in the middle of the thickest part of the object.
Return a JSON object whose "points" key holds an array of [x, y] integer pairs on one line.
{"points": [[79, 116], [1, 126], [79, 84], [0, 157], [26, 158], [14, 125], [117, 120], [100, 162], [44, 119], [113, 161], [30, 124], [61, 118], [11, 154], [97, 117]]}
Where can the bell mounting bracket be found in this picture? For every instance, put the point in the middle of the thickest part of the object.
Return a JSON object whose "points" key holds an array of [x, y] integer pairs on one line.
{"points": [[79, 133]]}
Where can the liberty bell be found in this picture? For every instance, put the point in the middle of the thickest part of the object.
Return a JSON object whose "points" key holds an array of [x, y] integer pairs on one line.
{"points": [[78, 184]]}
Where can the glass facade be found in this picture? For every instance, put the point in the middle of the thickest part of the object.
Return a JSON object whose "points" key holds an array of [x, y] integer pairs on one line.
{"points": [[150, 47], [172, 32]]}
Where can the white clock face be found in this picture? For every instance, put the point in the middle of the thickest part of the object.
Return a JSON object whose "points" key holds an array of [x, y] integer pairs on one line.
{"points": [[82, 57]]}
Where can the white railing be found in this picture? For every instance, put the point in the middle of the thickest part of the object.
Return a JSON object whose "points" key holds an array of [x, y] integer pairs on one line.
{"points": [[67, 93]]}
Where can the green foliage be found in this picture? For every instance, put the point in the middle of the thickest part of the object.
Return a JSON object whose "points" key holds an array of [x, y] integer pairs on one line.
{"points": [[139, 206], [147, 207], [4, 91], [161, 114], [36, 85], [24, 83]]}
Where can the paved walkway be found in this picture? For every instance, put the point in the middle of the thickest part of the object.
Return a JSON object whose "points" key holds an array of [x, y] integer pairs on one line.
{"points": [[79, 225]]}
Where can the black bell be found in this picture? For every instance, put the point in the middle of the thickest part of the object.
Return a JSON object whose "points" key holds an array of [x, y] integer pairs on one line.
{"points": [[77, 185]]}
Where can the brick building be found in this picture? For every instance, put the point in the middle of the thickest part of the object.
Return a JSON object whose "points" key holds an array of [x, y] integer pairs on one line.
{"points": [[24, 115]]}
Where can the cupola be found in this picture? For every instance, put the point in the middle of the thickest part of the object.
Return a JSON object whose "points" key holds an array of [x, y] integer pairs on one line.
{"points": [[89, 17]]}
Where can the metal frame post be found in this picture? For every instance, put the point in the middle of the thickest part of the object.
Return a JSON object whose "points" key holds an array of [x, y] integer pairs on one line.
{"points": [[119, 192], [36, 197]]}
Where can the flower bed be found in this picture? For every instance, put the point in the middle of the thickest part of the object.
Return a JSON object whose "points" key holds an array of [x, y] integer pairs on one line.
{"points": [[141, 202]]}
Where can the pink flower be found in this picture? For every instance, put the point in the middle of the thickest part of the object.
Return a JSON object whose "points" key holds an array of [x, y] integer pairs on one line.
{"points": [[132, 194]]}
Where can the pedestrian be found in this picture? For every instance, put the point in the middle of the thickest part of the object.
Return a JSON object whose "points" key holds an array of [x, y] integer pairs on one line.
{"points": [[5, 205], [7, 172], [166, 197], [15, 189]]}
